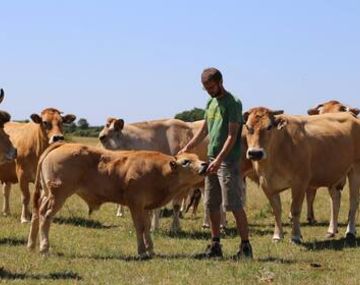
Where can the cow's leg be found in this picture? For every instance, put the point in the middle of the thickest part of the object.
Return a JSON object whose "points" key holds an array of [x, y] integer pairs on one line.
{"points": [[25, 196], [120, 211], [138, 215], [6, 203], [175, 225], [298, 195], [155, 220], [49, 207], [275, 203], [147, 236], [34, 228], [335, 200], [310, 197], [354, 184]]}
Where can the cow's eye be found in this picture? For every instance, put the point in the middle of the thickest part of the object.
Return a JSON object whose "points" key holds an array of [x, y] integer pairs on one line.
{"points": [[269, 127], [186, 162], [250, 129], [47, 125]]}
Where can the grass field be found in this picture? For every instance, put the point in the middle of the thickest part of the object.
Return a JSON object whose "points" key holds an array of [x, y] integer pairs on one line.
{"points": [[101, 249]]}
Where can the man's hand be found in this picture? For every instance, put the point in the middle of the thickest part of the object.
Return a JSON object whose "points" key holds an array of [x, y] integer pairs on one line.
{"points": [[213, 167]]}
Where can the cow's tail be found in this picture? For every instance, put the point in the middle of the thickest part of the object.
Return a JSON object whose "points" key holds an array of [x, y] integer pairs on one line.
{"points": [[34, 229], [37, 193]]}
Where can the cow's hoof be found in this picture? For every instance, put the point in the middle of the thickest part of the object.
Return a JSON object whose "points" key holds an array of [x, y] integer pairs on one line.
{"points": [[276, 239], [44, 252], [31, 246], [296, 240], [205, 226], [25, 220], [312, 221], [6, 214], [119, 215], [144, 256], [330, 235], [350, 239]]}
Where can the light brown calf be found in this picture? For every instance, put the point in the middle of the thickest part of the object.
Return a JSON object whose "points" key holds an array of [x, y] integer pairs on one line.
{"points": [[141, 180]]}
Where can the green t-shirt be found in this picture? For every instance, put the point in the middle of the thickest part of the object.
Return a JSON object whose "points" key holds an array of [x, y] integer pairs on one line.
{"points": [[218, 114]]}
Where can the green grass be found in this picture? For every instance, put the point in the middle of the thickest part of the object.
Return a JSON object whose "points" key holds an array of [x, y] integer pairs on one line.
{"points": [[101, 249]]}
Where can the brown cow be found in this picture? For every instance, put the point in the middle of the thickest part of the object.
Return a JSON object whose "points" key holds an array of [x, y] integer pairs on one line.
{"points": [[301, 152], [332, 106], [7, 150], [141, 180], [30, 139]]}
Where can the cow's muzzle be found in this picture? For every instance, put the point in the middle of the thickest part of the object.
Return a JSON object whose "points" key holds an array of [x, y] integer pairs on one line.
{"points": [[57, 138], [255, 154], [203, 168]]}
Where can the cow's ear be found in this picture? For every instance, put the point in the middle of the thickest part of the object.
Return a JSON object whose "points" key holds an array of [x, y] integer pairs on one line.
{"points": [[4, 118], [313, 111], [67, 119], [119, 124], [280, 123], [36, 118], [173, 165], [1, 95], [245, 117], [355, 111], [278, 112]]}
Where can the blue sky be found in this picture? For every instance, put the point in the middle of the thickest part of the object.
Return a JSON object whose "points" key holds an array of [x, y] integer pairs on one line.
{"points": [[142, 60]]}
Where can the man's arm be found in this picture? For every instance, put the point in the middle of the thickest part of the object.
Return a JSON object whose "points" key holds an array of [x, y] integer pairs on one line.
{"points": [[228, 145], [199, 136]]}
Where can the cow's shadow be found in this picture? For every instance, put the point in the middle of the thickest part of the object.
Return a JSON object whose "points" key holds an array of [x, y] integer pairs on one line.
{"points": [[82, 222], [62, 275], [13, 241], [334, 244]]}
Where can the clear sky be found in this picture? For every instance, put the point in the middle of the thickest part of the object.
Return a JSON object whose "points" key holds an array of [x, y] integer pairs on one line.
{"points": [[142, 60]]}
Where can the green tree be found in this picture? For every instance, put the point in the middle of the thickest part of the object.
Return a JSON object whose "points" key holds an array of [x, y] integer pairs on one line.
{"points": [[192, 115], [83, 124]]}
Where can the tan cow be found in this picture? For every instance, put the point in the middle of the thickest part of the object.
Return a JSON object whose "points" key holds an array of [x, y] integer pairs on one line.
{"points": [[301, 152], [7, 150], [332, 106], [30, 139], [141, 180], [167, 136]]}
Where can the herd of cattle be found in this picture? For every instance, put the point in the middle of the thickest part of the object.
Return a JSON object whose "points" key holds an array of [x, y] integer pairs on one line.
{"points": [[279, 152]]}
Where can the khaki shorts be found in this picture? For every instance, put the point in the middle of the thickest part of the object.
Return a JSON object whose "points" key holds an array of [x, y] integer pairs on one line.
{"points": [[225, 188]]}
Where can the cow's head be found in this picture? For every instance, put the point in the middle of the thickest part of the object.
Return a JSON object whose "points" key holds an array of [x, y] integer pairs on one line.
{"points": [[261, 123], [333, 107], [51, 123], [7, 150], [189, 166], [111, 136]]}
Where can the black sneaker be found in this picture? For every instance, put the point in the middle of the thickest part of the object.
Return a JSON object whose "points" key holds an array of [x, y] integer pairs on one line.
{"points": [[245, 252], [212, 251]]}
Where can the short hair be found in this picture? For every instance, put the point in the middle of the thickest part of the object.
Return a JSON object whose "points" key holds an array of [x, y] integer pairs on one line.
{"points": [[211, 74]]}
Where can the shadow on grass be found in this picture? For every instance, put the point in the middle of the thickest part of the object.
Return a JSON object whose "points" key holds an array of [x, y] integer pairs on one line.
{"points": [[62, 275], [12, 241], [333, 244], [201, 235], [277, 260], [82, 222]]}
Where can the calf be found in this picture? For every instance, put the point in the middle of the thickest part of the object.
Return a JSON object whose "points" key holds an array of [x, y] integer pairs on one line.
{"points": [[141, 180]]}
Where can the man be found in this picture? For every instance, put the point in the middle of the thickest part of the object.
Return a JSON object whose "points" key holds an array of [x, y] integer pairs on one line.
{"points": [[223, 124]]}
